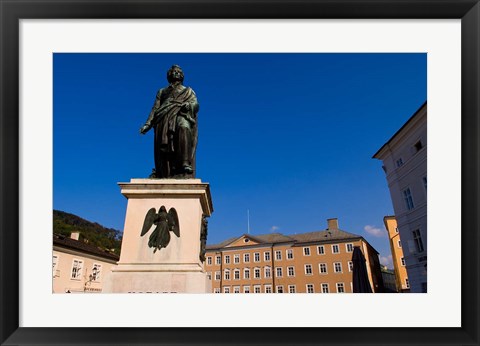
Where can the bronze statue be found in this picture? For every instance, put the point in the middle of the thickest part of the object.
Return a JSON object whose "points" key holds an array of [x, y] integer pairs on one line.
{"points": [[174, 119], [203, 238], [165, 222]]}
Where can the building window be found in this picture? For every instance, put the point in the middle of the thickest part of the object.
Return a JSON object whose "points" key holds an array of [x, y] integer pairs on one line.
{"points": [[291, 271], [306, 251], [236, 259], [323, 268], [338, 267], [396, 229], [209, 261], [321, 250], [407, 283], [246, 258], [349, 247], [236, 274], [96, 272], [218, 260], [407, 196], [340, 287], [54, 265], [227, 274], [424, 179], [350, 266], [256, 289], [399, 162], [291, 289], [310, 288], [403, 261], [417, 238], [246, 289], [256, 273], [399, 243], [289, 254], [278, 255], [268, 272], [268, 288], [226, 289], [217, 276], [279, 289], [418, 146], [256, 257], [236, 289], [308, 269], [335, 249], [279, 272], [325, 288], [77, 267], [246, 273], [266, 256], [246, 240], [227, 259], [209, 276], [216, 290]]}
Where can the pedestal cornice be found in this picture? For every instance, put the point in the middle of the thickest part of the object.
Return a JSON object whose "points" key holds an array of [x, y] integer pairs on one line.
{"points": [[171, 188]]}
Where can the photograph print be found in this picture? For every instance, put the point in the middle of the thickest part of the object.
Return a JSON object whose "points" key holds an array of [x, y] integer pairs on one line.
{"points": [[239, 173]]}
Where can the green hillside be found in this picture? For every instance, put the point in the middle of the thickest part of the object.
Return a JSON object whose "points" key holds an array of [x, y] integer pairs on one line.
{"points": [[96, 234]]}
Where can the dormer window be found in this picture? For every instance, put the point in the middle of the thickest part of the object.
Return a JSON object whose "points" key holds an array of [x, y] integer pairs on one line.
{"points": [[246, 240], [399, 162]]}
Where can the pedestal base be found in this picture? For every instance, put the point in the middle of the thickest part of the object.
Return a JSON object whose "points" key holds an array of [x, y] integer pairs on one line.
{"points": [[177, 268]]}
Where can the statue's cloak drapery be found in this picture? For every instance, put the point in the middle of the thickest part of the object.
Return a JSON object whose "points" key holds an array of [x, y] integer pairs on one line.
{"points": [[165, 115]]}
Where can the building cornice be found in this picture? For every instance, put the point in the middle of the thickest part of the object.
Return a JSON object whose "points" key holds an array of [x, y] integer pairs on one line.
{"points": [[379, 153]]}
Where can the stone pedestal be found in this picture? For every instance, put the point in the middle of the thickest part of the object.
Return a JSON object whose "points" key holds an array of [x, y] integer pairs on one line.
{"points": [[177, 268]]}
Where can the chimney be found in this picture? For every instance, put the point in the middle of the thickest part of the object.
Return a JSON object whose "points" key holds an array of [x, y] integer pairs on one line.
{"points": [[75, 235], [332, 223]]}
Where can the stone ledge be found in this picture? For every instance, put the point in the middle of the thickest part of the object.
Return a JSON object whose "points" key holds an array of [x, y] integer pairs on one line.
{"points": [[155, 267], [169, 188]]}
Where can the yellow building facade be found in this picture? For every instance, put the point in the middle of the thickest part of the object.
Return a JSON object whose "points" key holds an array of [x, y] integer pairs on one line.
{"points": [[315, 262], [78, 267], [399, 266]]}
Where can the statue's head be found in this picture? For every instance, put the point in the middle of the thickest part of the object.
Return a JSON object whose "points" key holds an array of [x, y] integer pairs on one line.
{"points": [[163, 209], [175, 73]]}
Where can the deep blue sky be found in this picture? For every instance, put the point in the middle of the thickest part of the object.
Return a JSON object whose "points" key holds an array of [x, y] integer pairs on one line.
{"points": [[289, 137]]}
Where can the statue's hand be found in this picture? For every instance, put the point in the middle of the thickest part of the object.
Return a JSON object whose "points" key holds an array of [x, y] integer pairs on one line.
{"points": [[191, 120], [144, 129]]}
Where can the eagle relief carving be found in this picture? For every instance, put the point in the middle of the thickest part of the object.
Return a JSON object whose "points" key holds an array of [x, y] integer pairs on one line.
{"points": [[165, 223]]}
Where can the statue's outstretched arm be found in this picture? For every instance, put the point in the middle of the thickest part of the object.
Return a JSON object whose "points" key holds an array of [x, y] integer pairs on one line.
{"points": [[151, 117]]}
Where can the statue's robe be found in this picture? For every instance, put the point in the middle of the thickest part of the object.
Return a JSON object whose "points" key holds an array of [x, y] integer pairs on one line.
{"points": [[175, 136]]}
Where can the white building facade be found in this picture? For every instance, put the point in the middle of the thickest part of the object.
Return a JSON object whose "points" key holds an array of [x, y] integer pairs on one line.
{"points": [[404, 159]]}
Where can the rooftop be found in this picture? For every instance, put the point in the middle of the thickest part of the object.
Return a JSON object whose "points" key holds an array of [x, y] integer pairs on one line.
{"points": [[424, 105], [332, 233], [66, 242]]}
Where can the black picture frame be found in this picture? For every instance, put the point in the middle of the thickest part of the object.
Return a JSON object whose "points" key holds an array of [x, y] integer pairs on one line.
{"points": [[12, 11]]}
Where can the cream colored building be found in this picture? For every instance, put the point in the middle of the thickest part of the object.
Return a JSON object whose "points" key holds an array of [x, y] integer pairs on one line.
{"points": [[404, 159], [79, 267], [315, 262], [399, 266]]}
